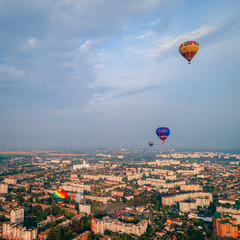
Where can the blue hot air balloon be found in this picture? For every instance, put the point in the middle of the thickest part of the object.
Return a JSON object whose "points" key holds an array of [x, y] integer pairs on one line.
{"points": [[163, 133]]}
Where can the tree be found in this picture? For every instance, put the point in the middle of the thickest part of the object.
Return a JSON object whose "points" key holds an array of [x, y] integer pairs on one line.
{"points": [[193, 234], [37, 210], [148, 234]]}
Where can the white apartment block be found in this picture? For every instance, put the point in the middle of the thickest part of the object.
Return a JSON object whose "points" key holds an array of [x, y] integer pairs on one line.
{"points": [[160, 183], [55, 161], [235, 213], [155, 171], [111, 188], [75, 187], [108, 177], [171, 177], [187, 172], [104, 200], [17, 216], [152, 181], [99, 226], [79, 197], [12, 181], [223, 201], [194, 215], [85, 208], [3, 188], [167, 162], [191, 187], [13, 231], [187, 206], [81, 166], [173, 199], [136, 176]]}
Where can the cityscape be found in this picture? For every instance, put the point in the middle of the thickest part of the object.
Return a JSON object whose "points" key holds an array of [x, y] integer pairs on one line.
{"points": [[119, 120], [120, 194]]}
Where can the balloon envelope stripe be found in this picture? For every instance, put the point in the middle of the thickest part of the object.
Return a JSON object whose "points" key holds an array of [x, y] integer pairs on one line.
{"points": [[57, 194], [60, 196]]}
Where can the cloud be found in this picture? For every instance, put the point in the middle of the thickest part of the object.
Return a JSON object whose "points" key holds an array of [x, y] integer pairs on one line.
{"points": [[144, 35], [109, 96], [60, 44], [131, 92], [31, 43], [88, 44], [133, 52], [65, 64], [10, 73], [166, 47]]}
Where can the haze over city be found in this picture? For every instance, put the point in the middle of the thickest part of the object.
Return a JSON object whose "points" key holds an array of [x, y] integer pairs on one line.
{"points": [[108, 73]]}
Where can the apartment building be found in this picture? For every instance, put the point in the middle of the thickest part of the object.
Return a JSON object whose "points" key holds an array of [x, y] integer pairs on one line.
{"points": [[201, 198], [17, 216], [12, 181], [225, 226], [233, 211], [14, 231], [108, 177], [191, 187], [3, 188], [85, 208], [76, 187], [99, 226], [98, 199]]}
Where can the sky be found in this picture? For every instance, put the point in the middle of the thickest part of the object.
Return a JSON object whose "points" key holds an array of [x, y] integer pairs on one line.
{"points": [[108, 73]]}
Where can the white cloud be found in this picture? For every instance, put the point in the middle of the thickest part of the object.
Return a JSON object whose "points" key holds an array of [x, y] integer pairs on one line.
{"points": [[86, 45], [31, 43], [101, 56], [8, 73], [168, 45], [72, 56], [133, 52], [128, 37], [145, 35]]}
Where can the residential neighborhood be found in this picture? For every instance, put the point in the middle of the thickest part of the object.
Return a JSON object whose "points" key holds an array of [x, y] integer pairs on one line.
{"points": [[141, 195]]}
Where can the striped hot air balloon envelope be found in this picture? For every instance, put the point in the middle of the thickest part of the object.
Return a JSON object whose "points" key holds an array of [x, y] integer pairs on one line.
{"points": [[189, 49], [60, 196]]}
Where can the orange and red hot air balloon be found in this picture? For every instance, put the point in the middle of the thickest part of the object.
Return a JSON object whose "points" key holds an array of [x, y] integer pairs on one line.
{"points": [[189, 49]]}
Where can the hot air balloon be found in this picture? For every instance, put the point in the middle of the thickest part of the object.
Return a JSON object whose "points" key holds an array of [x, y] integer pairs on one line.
{"points": [[188, 50], [60, 196], [151, 144], [163, 133]]}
